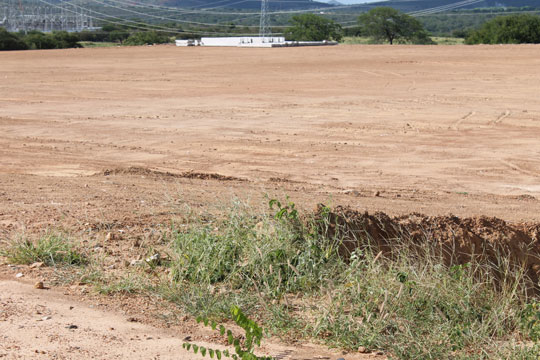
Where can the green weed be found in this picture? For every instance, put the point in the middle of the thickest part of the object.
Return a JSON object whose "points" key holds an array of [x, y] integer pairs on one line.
{"points": [[288, 274], [243, 348], [52, 250]]}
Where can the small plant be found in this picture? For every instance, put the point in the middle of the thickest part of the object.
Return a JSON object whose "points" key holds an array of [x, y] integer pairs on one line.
{"points": [[52, 250], [284, 212], [530, 320], [243, 350]]}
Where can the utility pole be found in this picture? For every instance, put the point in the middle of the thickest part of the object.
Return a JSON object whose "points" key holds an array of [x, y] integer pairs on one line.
{"points": [[264, 27]]}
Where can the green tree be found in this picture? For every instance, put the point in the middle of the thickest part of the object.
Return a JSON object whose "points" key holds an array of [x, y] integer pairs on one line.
{"points": [[10, 41], [309, 27], [146, 37], [56, 40], [511, 29], [37, 40], [388, 24], [66, 40]]}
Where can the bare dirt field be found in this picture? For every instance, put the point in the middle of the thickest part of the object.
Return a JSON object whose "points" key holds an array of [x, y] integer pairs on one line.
{"points": [[116, 138]]}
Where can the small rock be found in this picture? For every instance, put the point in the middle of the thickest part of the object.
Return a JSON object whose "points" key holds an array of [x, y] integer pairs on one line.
{"points": [[379, 353], [72, 327], [36, 265], [135, 262], [377, 193], [154, 259], [19, 275], [45, 318], [362, 349], [39, 285]]}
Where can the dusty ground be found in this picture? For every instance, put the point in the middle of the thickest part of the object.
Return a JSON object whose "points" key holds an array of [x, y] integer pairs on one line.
{"points": [[47, 324], [435, 130]]}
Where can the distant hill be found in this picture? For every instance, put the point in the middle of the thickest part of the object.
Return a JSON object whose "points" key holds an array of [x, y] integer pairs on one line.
{"points": [[415, 5], [247, 4], [404, 5]]}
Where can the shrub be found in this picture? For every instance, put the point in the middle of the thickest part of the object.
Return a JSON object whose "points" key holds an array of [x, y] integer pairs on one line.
{"points": [[56, 40], [10, 41], [512, 29], [146, 38]]}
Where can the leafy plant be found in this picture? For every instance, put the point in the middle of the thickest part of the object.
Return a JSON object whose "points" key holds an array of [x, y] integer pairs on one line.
{"points": [[287, 211], [243, 349], [530, 320]]}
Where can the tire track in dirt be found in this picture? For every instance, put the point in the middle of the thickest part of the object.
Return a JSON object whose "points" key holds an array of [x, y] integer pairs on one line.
{"points": [[455, 126]]}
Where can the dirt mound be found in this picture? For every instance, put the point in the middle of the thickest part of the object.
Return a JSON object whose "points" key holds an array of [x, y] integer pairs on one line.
{"points": [[134, 170], [457, 240]]}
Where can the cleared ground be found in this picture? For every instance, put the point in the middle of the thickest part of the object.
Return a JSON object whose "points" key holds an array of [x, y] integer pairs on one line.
{"points": [[118, 138], [447, 129]]}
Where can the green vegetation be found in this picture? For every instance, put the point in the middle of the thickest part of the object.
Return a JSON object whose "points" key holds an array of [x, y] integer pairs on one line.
{"points": [[35, 40], [282, 271], [108, 36], [310, 27], [92, 44], [9, 41], [356, 40], [146, 38], [285, 272], [511, 29], [385, 24], [243, 345], [52, 250], [57, 40], [439, 40]]}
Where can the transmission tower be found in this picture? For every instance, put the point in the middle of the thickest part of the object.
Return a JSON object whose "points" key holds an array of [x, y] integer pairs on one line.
{"points": [[264, 27]]}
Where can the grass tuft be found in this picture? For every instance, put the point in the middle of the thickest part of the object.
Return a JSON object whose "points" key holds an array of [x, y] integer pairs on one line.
{"points": [[52, 250]]}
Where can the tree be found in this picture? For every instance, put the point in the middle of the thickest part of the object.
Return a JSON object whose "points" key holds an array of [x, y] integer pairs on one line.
{"points": [[388, 24], [146, 37], [511, 29], [9, 41], [310, 27]]}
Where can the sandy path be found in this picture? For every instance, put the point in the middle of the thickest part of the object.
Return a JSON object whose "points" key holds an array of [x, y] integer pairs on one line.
{"points": [[36, 324]]}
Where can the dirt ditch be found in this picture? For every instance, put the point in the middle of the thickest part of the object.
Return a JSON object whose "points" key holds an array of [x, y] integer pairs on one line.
{"points": [[457, 240]]}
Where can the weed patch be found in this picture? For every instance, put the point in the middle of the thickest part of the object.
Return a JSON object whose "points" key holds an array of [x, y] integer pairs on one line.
{"points": [[52, 250], [288, 273]]}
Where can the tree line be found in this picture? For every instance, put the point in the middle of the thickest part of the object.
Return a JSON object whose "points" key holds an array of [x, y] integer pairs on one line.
{"points": [[36, 40], [381, 24]]}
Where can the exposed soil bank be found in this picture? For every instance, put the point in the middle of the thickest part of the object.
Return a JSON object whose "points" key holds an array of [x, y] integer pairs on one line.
{"points": [[458, 240]]}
